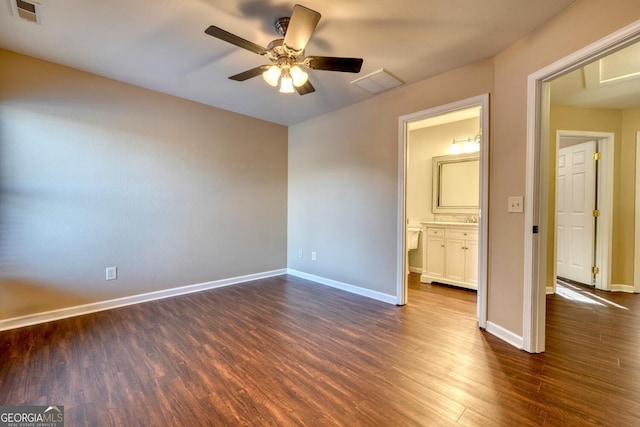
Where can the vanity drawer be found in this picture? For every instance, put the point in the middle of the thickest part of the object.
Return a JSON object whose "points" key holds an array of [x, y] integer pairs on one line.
{"points": [[435, 232], [462, 234]]}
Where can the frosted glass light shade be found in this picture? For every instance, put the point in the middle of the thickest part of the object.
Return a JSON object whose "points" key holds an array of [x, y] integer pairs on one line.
{"points": [[286, 85], [471, 147], [272, 75], [299, 77]]}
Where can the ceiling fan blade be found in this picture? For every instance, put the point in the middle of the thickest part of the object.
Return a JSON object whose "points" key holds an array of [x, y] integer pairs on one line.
{"points": [[246, 75], [221, 34], [305, 88], [302, 24], [329, 63]]}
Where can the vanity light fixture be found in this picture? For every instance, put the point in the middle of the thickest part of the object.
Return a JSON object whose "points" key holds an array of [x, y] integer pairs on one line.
{"points": [[454, 148], [469, 145]]}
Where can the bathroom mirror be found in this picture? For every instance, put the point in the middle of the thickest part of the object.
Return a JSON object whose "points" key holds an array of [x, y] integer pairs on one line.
{"points": [[456, 183]]}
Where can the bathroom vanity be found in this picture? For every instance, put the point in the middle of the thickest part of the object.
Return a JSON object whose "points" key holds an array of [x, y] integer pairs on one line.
{"points": [[450, 254]]}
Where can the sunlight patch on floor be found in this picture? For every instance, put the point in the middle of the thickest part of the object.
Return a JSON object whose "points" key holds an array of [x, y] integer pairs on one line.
{"points": [[574, 293]]}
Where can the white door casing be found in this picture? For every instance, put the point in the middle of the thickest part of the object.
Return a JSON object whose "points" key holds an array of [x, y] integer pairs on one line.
{"points": [[403, 122], [533, 318], [576, 201], [636, 268]]}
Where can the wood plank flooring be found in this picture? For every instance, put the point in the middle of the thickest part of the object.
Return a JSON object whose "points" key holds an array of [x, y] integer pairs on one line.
{"points": [[284, 351]]}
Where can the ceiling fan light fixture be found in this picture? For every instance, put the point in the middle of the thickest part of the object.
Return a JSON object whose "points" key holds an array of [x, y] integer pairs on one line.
{"points": [[299, 77], [272, 75], [287, 54]]}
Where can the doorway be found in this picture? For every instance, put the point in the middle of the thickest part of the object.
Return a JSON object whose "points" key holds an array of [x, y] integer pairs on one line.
{"points": [[404, 124], [575, 207], [591, 263], [537, 177]]}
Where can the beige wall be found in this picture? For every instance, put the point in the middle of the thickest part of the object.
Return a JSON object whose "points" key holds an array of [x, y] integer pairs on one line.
{"points": [[96, 173], [424, 144], [343, 165], [193, 221], [626, 183], [581, 24], [624, 124], [343, 180]]}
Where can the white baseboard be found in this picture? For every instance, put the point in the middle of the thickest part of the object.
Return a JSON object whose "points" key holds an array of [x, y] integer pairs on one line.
{"points": [[415, 270], [505, 335], [48, 316], [622, 288], [550, 290], [379, 296]]}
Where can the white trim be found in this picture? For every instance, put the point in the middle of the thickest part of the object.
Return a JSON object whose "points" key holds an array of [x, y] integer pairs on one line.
{"points": [[551, 290], [403, 122], [622, 288], [379, 296], [535, 268], [415, 270], [504, 334], [63, 313], [402, 222], [605, 180], [636, 269], [533, 326], [483, 229]]}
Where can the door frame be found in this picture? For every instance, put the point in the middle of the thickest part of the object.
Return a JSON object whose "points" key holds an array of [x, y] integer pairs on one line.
{"points": [[537, 177], [481, 101], [604, 196], [636, 254]]}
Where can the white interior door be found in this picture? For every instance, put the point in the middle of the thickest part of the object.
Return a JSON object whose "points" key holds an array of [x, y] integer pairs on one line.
{"points": [[576, 193]]}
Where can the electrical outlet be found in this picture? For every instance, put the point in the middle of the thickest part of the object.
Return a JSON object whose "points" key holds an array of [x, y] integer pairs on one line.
{"points": [[515, 204], [300, 253], [112, 273], [313, 256]]}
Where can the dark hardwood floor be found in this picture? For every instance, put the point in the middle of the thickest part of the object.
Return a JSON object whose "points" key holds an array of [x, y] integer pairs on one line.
{"points": [[284, 351]]}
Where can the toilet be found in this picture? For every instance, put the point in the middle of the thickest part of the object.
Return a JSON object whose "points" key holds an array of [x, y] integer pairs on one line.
{"points": [[413, 239]]}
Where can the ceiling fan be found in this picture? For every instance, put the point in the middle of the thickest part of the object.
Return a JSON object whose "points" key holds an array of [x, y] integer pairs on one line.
{"points": [[287, 54]]}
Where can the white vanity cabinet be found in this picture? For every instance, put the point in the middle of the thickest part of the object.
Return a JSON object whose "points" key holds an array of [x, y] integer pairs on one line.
{"points": [[451, 254], [434, 245]]}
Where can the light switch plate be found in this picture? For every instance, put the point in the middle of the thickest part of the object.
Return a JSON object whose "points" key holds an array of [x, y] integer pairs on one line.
{"points": [[516, 204]]}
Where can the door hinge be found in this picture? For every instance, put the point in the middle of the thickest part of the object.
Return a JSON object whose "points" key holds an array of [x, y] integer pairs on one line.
{"points": [[596, 156], [595, 270], [596, 213]]}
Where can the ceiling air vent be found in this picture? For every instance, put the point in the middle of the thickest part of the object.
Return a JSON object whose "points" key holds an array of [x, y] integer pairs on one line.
{"points": [[377, 82], [28, 10]]}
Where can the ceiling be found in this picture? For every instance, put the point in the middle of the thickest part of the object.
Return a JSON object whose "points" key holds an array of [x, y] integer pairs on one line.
{"points": [[161, 45], [609, 82]]}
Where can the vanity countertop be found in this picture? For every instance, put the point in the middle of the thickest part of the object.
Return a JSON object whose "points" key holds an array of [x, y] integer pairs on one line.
{"points": [[450, 224]]}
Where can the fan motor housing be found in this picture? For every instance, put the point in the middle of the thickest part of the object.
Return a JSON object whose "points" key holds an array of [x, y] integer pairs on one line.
{"points": [[281, 25], [278, 52]]}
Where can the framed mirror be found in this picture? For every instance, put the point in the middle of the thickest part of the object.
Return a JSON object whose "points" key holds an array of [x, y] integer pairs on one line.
{"points": [[456, 183]]}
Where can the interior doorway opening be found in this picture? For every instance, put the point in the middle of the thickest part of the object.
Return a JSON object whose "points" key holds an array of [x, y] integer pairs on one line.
{"points": [[461, 211], [588, 165], [538, 171]]}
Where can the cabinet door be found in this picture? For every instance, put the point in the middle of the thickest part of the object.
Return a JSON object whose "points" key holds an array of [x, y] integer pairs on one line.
{"points": [[435, 256], [455, 260], [471, 262]]}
